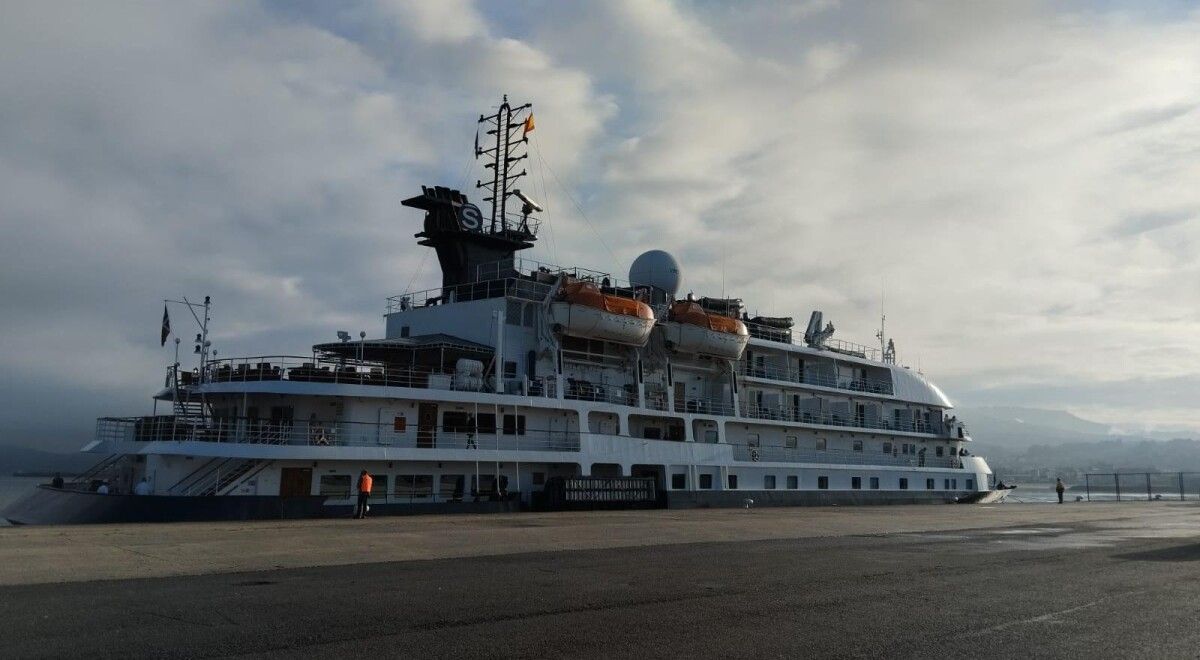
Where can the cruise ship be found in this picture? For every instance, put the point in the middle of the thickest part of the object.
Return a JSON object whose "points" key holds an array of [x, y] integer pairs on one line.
{"points": [[519, 385]]}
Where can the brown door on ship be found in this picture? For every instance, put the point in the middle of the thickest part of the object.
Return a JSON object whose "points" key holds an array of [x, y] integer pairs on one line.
{"points": [[426, 424], [680, 395], [295, 482]]}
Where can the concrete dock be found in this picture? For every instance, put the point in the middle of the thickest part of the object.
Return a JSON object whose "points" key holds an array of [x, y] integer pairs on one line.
{"points": [[1076, 580]]}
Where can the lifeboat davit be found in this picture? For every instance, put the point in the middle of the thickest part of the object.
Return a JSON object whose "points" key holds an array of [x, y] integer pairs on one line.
{"points": [[585, 311], [690, 329]]}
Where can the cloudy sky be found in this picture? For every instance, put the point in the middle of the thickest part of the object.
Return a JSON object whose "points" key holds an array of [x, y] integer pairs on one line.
{"points": [[1019, 182]]}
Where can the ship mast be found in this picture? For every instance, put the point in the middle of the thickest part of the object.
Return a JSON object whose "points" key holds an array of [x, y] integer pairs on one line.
{"points": [[507, 150]]}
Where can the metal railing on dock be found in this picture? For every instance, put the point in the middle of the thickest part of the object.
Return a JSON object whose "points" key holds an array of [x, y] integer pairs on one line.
{"points": [[1141, 486]]}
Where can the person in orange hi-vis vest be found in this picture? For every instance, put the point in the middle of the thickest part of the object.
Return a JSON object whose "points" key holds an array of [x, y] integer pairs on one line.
{"points": [[364, 493]]}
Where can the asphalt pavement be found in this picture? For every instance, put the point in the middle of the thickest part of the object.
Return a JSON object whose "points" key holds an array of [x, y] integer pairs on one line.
{"points": [[1119, 586]]}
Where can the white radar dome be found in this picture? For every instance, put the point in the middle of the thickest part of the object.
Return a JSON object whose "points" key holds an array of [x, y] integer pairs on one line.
{"points": [[657, 269]]}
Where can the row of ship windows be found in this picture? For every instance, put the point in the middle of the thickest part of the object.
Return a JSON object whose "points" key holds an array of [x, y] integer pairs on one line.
{"points": [[679, 482], [450, 487], [790, 442]]}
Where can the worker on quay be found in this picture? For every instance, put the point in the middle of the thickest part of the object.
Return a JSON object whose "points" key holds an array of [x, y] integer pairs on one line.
{"points": [[1059, 488], [364, 494]]}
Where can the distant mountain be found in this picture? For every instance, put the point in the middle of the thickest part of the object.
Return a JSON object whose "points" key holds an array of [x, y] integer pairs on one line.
{"points": [[15, 458], [1031, 439], [1012, 429]]}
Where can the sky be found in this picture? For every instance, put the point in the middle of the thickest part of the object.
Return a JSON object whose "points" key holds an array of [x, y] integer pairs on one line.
{"points": [[1016, 185]]}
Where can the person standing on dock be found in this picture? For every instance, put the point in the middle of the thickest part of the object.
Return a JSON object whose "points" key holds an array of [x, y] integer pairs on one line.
{"points": [[364, 494], [1059, 488]]}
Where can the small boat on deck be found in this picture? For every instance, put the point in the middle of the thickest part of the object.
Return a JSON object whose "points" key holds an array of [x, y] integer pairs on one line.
{"points": [[583, 310], [689, 328]]}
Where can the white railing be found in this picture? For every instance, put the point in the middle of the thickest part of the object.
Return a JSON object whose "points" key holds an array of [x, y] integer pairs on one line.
{"points": [[827, 418], [354, 372], [335, 434], [532, 281], [788, 336], [815, 377]]}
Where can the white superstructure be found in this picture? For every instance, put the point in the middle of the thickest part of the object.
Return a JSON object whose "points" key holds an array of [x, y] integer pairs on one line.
{"points": [[515, 375]]}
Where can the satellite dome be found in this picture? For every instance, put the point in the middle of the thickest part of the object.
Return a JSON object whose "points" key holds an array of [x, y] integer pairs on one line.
{"points": [[657, 269]]}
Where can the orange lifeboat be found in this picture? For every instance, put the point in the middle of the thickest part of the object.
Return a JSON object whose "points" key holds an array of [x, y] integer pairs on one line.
{"points": [[585, 311], [690, 329]]}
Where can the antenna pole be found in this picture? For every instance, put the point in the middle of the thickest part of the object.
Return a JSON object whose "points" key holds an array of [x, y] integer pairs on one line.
{"points": [[503, 125]]}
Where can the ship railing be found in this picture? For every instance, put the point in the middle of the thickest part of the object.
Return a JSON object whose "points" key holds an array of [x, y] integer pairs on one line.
{"points": [[497, 280], [777, 454], [502, 268], [656, 398], [815, 377], [512, 287], [583, 390], [830, 418], [357, 372], [788, 336], [704, 406], [511, 435]]}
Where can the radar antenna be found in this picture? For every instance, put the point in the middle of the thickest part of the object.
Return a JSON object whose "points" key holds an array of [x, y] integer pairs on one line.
{"points": [[504, 154]]}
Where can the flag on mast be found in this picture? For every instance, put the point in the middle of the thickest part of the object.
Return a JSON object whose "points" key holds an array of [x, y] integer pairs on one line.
{"points": [[528, 125], [477, 151], [166, 326]]}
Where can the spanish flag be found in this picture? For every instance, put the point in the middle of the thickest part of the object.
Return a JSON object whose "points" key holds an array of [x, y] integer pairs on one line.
{"points": [[528, 125]]}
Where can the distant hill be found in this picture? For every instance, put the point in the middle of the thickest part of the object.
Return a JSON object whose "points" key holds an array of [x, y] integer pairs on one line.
{"points": [[15, 458], [1011, 429], [1030, 439]]}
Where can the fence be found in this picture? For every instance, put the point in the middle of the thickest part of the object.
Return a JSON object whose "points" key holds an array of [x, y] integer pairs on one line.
{"points": [[1141, 486]]}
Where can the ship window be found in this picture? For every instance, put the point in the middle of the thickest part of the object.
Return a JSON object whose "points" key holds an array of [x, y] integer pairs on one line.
{"points": [[887, 447], [903, 483], [706, 482], [450, 487], [954, 484], [752, 440], [486, 423], [970, 484], [527, 319], [379, 484], [415, 486], [945, 484], [678, 481], [733, 482], [457, 422], [400, 424], [483, 484], [821, 443], [856, 483], [769, 482], [510, 369], [858, 445], [335, 485], [793, 482], [939, 451], [790, 442], [404, 331], [514, 425], [652, 433], [874, 483], [823, 483], [929, 484]]}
